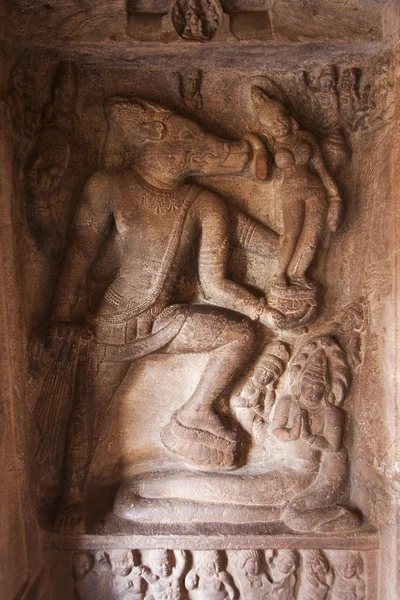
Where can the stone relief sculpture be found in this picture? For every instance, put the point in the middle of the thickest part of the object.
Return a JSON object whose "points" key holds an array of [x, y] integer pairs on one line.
{"points": [[190, 83], [197, 20], [312, 422], [88, 583], [165, 578], [309, 195], [284, 572], [48, 161], [254, 580], [209, 579], [133, 317], [325, 115], [349, 582], [306, 493], [128, 576], [319, 576]]}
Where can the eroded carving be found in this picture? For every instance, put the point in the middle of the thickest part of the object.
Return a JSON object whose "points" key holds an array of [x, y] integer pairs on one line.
{"points": [[209, 578], [48, 161], [349, 581], [318, 578], [254, 579], [197, 20], [169, 214]]}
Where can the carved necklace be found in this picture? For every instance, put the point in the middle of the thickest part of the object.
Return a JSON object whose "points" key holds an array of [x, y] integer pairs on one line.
{"points": [[158, 200]]}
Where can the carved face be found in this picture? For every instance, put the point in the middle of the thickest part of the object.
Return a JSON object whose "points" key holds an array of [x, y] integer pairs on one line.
{"points": [[348, 567], [320, 568], [163, 568], [276, 121], [188, 149], [320, 81], [252, 567], [347, 81], [284, 563], [121, 564], [312, 391], [80, 566], [210, 568]]}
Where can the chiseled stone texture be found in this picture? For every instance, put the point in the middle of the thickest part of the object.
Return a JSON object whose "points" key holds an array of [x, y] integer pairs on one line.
{"points": [[199, 237]]}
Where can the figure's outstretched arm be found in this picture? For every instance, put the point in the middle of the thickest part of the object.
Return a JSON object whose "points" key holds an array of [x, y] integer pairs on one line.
{"points": [[180, 562], [214, 223], [249, 234], [91, 225]]}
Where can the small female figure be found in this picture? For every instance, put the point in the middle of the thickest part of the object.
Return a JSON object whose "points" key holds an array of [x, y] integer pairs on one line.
{"points": [[349, 583], [212, 582], [284, 567], [319, 576], [310, 197], [254, 580]]}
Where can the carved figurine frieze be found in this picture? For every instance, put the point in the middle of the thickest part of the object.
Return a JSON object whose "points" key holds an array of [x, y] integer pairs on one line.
{"points": [[48, 161], [349, 581], [166, 576], [197, 20], [209, 578], [318, 576], [310, 202]]}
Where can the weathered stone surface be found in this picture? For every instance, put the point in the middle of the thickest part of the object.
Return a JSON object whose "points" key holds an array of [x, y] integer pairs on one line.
{"points": [[199, 305]]}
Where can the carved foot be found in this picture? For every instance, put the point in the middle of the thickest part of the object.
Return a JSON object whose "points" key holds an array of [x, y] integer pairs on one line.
{"points": [[202, 438], [331, 519], [71, 519]]}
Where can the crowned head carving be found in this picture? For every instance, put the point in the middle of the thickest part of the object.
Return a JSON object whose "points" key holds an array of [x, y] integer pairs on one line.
{"points": [[320, 373]]}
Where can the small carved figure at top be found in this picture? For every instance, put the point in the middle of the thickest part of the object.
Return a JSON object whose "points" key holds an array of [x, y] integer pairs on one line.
{"points": [[165, 577], [323, 84], [209, 579], [349, 329], [252, 576], [318, 578], [312, 422], [283, 567], [349, 583], [197, 20], [348, 95], [88, 583], [310, 197], [324, 114], [128, 575]]}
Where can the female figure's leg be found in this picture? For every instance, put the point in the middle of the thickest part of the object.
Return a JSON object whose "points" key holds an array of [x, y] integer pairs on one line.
{"points": [[293, 208], [316, 206]]}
